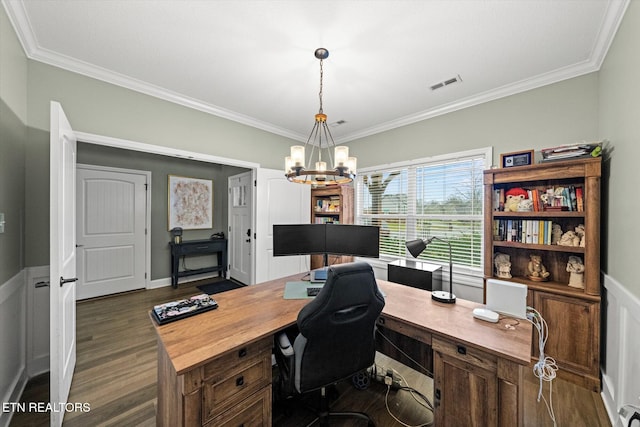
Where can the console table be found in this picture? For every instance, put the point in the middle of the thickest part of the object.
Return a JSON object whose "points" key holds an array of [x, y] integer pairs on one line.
{"points": [[198, 247]]}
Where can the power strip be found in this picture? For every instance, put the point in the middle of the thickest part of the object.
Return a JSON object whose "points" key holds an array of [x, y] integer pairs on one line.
{"points": [[386, 377]]}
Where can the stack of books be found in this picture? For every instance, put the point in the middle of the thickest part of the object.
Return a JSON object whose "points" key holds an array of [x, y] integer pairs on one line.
{"points": [[572, 151]]}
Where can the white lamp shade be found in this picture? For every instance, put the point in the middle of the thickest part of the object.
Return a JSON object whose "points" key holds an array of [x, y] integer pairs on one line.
{"points": [[352, 164], [297, 156], [288, 164], [321, 166], [342, 155]]}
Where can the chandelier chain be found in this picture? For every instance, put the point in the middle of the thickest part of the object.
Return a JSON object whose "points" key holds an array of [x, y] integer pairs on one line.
{"points": [[320, 93]]}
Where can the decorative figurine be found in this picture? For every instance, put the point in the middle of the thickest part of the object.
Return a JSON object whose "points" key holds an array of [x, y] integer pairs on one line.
{"points": [[502, 263], [580, 233], [536, 270], [570, 238], [556, 233], [576, 268]]}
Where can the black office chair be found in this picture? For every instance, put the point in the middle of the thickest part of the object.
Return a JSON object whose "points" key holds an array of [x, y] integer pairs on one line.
{"points": [[336, 336]]}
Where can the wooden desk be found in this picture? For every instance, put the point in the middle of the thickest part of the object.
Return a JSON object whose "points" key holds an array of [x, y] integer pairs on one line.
{"points": [[215, 368]]}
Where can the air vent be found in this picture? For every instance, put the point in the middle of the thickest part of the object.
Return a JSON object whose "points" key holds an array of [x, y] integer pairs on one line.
{"points": [[338, 123], [447, 82]]}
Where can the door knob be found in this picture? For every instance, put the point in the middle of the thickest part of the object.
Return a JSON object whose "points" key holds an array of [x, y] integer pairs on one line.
{"points": [[63, 280]]}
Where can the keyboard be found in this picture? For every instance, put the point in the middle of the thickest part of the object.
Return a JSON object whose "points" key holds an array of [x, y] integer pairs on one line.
{"points": [[313, 291]]}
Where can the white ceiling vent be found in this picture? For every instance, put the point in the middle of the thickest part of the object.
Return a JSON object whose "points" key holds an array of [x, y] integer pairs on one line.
{"points": [[447, 82]]}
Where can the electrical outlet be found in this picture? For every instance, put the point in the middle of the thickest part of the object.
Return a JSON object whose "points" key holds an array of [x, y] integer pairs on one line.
{"points": [[1, 222]]}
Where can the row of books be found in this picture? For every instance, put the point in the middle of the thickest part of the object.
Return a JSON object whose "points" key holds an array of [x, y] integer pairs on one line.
{"points": [[533, 231], [328, 205], [569, 198]]}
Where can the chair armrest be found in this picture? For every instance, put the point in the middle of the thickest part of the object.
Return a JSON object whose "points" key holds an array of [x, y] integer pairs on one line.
{"points": [[284, 345]]}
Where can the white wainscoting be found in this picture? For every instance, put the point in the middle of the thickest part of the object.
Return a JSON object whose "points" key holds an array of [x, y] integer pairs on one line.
{"points": [[621, 364], [37, 320], [13, 373]]}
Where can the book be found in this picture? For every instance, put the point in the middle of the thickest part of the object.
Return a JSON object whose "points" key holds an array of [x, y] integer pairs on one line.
{"points": [[579, 200], [179, 309]]}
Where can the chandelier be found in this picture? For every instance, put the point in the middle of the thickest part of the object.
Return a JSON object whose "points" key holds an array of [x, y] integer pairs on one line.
{"points": [[319, 145]]}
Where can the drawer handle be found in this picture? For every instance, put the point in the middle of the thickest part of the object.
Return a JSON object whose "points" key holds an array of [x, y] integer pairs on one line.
{"points": [[240, 381], [437, 397], [242, 352], [462, 349]]}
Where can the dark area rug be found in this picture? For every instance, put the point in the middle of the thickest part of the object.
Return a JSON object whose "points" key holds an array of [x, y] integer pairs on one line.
{"points": [[220, 286]]}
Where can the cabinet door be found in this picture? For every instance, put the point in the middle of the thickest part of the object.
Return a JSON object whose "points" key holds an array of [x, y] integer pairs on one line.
{"points": [[574, 335], [468, 381]]}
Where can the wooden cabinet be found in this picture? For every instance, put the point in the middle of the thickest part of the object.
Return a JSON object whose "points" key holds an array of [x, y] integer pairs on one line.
{"points": [[465, 377], [332, 205], [233, 389], [572, 313]]}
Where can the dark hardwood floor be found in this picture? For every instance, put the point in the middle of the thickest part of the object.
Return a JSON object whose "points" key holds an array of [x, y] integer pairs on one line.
{"points": [[116, 375]]}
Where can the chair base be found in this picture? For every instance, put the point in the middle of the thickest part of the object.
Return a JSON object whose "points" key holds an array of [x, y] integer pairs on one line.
{"points": [[324, 414], [323, 419]]}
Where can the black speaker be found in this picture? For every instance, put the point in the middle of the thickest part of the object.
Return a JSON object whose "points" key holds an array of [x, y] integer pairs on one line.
{"points": [[416, 274]]}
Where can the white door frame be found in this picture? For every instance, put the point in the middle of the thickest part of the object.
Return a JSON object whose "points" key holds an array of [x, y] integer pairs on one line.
{"points": [[147, 219], [183, 154]]}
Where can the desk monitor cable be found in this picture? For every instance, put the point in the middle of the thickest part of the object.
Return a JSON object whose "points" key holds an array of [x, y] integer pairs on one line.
{"points": [[545, 369]]}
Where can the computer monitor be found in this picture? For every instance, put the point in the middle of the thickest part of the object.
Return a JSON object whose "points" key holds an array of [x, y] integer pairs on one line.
{"points": [[353, 240], [298, 239]]}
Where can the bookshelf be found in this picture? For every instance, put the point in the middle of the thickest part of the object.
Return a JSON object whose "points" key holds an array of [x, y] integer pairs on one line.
{"points": [[563, 224], [331, 205]]}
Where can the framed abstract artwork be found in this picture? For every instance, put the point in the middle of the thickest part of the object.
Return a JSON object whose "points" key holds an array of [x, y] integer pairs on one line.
{"points": [[190, 203]]}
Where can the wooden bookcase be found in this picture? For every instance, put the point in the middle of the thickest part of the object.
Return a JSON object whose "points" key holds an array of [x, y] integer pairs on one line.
{"points": [[331, 205], [572, 314]]}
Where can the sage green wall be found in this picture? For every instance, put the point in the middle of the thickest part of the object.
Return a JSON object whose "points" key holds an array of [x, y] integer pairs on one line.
{"points": [[160, 167], [13, 137], [556, 114], [620, 124], [101, 108]]}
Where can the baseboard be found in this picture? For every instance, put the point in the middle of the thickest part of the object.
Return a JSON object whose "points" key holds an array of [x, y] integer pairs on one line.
{"points": [[620, 369], [166, 281]]}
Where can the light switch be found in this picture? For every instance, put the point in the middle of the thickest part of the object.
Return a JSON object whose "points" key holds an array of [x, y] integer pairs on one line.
{"points": [[1, 222]]}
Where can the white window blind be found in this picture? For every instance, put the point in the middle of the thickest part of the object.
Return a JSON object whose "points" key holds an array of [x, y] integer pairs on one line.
{"points": [[439, 197]]}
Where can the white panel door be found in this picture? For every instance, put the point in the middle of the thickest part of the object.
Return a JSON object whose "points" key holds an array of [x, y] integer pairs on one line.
{"points": [[110, 231], [240, 228], [278, 201], [62, 259]]}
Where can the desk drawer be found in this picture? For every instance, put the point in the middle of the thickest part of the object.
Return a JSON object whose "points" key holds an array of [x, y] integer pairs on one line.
{"points": [[236, 358], [467, 354], [233, 383], [200, 248], [255, 411]]}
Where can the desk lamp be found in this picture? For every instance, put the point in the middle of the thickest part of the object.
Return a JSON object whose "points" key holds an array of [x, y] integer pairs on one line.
{"points": [[415, 248]]}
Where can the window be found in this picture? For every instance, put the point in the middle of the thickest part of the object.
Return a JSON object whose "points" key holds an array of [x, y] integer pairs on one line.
{"points": [[440, 196]]}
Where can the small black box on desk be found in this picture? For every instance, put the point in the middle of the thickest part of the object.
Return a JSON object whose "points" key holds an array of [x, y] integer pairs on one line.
{"points": [[417, 274]]}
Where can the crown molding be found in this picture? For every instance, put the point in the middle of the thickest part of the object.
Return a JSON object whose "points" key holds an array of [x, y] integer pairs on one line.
{"points": [[19, 19]]}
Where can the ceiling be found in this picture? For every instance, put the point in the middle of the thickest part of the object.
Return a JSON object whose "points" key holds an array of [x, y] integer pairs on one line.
{"points": [[253, 61]]}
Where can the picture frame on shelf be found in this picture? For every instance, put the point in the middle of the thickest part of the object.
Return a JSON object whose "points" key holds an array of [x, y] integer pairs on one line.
{"points": [[190, 203], [516, 158]]}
